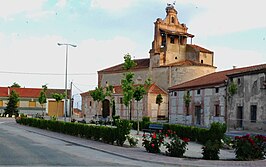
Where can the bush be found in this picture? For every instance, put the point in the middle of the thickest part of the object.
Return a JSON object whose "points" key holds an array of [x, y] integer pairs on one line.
{"points": [[153, 142], [211, 150], [177, 146], [100, 133], [250, 147], [123, 129], [133, 141], [216, 132]]}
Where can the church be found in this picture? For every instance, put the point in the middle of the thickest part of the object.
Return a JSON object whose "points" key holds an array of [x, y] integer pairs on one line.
{"points": [[173, 60]]}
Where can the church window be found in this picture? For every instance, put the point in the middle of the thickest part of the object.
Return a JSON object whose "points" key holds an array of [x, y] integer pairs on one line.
{"points": [[172, 39], [253, 113], [173, 20], [90, 103], [176, 58], [163, 40], [217, 110], [121, 100], [216, 90], [198, 91], [238, 81], [201, 61]]}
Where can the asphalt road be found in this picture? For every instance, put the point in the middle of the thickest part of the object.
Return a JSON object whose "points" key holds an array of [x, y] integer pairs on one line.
{"points": [[19, 147]]}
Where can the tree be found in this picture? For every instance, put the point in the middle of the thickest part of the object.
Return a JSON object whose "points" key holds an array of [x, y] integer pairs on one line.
{"points": [[138, 94], [187, 100], [42, 98], [15, 85], [128, 90], [98, 95], [58, 97], [232, 89], [159, 100], [12, 105]]}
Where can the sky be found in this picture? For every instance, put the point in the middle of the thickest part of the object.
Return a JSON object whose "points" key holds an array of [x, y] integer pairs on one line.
{"points": [[105, 30]]}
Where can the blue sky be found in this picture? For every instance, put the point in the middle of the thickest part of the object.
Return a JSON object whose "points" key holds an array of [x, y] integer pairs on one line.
{"points": [[105, 30]]}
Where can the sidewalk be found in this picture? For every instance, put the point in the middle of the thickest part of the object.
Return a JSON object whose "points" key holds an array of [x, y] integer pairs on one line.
{"points": [[139, 153]]}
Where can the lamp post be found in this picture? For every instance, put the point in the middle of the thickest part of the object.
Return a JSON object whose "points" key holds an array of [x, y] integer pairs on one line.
{"points": [[66, 44]]}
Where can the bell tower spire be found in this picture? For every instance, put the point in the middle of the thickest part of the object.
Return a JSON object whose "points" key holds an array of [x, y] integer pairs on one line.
{"points": [[170, 39]]}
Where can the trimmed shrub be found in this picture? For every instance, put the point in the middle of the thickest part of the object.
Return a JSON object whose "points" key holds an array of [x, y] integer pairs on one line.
{"points": [[99, 133]]}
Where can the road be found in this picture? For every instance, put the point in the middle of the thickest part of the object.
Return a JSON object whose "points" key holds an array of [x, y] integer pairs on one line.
{"points": [[19, 147]]}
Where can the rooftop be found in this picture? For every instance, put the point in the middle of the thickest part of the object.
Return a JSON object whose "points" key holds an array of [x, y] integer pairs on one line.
{"points": [[216, 78]]}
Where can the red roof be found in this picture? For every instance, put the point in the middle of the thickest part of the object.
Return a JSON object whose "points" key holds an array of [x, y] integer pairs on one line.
{"points": [[141, 64], [29, 92], [215, 78], [154, 89], [200, 49]]}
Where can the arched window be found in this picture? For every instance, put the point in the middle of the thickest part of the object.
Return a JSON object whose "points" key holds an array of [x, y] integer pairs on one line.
{"points": [[173, 20]]}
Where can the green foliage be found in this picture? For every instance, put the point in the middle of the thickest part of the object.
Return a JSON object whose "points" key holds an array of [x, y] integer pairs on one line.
{"points": [[98, 94], [139, 92], [250, 147], [159, 99], [128, 62], [100, 133], [152, 142], [211, 150], [133, 141], [58, 97], [15, 85], [123, 129], [232, 89], [216, 132], [12, 108], [127, 87], [42, 98], [187, 100], [177, 146]]}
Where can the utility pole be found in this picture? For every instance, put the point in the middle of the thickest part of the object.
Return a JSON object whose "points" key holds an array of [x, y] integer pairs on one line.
{"points": [[71, 102]]}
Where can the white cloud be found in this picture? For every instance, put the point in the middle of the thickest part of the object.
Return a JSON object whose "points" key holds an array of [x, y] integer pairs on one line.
{"points": [[61, 3], [43, 55], [226, 58], [227, 16], [112, 5], [13, 7]]}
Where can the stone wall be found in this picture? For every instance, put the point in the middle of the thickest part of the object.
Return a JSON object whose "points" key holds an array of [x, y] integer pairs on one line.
{"points": [[250, 92]]}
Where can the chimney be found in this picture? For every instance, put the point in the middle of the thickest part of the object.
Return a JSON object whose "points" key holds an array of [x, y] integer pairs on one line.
{"points": [[234, 67]]}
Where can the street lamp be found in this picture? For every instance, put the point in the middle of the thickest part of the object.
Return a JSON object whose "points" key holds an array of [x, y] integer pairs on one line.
{"points": [[66, 44]]}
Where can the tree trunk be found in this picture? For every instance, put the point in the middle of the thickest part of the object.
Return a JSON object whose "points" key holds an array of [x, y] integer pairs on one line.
{"points": [[138, 118]]}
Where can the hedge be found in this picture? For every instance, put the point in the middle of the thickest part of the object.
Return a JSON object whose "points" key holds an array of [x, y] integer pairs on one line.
{"points": [[201, 135], [100, 133]]}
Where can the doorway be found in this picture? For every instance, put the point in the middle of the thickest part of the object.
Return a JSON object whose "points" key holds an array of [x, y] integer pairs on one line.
{"points": [[106, 108], [239, 117], [198, 115]]}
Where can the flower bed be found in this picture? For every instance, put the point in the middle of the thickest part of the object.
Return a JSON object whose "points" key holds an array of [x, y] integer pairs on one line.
{"points": [[250, 147]]}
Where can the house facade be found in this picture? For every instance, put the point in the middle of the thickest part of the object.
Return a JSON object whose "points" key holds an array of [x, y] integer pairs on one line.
{"points": [[145, 107], [210, 99], [28, 101], [247, 108], [172, 61]]}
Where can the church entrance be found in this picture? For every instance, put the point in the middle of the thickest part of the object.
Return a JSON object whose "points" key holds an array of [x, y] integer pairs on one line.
{"points": [[106, 108]]}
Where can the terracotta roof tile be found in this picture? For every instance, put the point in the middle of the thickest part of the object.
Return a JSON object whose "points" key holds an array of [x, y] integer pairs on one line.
{"points": [[199, 48], [30, 92], [141, 63], [215, 78], [118, 90]]}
